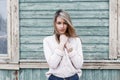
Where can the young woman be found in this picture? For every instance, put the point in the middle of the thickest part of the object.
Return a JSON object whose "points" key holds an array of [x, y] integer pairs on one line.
{"points": [[63, 50]]}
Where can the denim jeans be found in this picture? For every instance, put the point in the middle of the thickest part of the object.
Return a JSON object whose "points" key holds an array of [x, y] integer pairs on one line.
{"points": [[74, 77]]}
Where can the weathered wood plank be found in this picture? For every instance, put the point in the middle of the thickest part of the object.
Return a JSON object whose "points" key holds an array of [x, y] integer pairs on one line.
{"points": [[39, 55], [94, 39], [67, 6], [14, 75], [85, 39], [119, 28], [34, 65], [60, 0], [32, 39], [33, 74], [83, 75], [115, 75], [90, 74], [97, 74], [118, 72], [31, 47], [113, 30], [91, 51], [91, 55], [89, 65], [95, 47], [36, 31], [96, 56], [86, 47], [28, 74], [36, 74], [98, 31], [76, 22], [9, 34], [42, 72], [105, 75], [73, 14], [21, 74], [15, 31], [9, 66], [2, 74]]}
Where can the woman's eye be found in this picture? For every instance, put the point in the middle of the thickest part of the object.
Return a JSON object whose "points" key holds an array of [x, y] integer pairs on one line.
{"points": [[59, 23], [65, 23]]}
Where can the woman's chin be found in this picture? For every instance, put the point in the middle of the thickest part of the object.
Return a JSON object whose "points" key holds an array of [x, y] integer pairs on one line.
{"points": [[62, 33]]}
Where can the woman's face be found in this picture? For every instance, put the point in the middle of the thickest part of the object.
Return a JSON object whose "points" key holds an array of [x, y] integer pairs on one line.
{"points": [[61, 25]]}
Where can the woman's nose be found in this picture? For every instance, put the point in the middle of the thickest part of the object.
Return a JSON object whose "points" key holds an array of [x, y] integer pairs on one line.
{"points": [[62, 25]]}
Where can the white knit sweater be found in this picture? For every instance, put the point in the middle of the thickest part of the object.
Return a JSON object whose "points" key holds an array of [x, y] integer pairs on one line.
{"points": [[61, 63]]}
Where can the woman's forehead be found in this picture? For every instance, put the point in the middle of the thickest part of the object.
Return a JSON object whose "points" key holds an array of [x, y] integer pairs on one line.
{"points": [[60, 19]]}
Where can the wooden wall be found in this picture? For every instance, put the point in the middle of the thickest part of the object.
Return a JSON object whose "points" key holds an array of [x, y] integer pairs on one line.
{"points": [[39, 74], [90, 18]]}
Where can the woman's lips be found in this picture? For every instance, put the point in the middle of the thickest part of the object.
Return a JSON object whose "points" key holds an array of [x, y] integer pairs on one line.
{"points": [[62, 30]]}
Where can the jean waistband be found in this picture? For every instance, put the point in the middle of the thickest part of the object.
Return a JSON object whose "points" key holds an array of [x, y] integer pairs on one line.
{"points": [[67, 78]]}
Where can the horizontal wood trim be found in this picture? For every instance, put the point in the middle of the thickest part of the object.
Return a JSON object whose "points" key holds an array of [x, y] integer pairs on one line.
{"points": [[9, 66], [101, 66], [88, 64], [85, 61], [60, 0], [33, 65]]}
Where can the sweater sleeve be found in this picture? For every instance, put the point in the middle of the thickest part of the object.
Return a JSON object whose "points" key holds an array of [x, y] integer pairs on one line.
{"points": [[76, 56], [53, 57]]}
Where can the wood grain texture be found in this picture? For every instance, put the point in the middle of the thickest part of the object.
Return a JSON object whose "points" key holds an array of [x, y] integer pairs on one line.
{"points": [[74, 14], [76, 22], [113, 30], [90, 18], [61, 0], [81, 31], [85, 39], [119, 28], [15, 31], [67, 6], [91, 74]]}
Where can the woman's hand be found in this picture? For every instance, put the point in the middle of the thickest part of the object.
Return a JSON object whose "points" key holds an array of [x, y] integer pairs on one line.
{"points": [[63, 41], [68, 46]]}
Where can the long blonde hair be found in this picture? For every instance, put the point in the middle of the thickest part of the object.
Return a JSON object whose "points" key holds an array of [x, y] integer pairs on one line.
{"points": [[70, 32]]}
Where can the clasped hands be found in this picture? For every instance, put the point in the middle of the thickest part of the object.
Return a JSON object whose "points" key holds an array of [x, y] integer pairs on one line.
{"points": [[65, 44]]}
